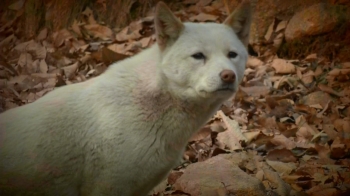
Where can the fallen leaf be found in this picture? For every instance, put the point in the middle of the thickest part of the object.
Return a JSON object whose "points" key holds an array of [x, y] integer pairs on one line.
{"points": [[60, 36], [70, 70], [311, 57], [202, 17], [110, 56], [43, 66], [76, 28], [99, 31], [129, 33], [281, 167], [254, 62], [42, 35], [90, 15], [201, 134], [256, 91], [282, 155], [283, 66], [232, 137], [338, 149], [329, 90]]}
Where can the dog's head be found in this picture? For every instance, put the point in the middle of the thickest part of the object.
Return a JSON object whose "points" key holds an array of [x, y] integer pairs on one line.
{"points": [[203, 61]]}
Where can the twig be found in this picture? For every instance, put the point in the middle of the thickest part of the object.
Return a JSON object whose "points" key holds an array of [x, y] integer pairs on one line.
{"points": [[227, 7]]}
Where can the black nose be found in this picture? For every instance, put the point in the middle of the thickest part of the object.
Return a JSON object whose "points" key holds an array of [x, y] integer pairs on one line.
{"points": [[228, 76]]}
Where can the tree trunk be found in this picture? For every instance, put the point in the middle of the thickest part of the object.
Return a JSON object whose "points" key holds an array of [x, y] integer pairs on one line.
{"points": [[58, 14]]}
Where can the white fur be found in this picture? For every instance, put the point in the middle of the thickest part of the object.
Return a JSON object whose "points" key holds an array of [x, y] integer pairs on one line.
{"points": [[122, 132]]}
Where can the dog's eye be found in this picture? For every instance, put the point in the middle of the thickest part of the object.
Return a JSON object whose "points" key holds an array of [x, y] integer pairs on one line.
{"points": [[232, 55], [198, 56]]}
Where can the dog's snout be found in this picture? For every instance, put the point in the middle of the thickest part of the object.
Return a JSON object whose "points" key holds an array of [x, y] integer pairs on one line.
{"points": [[228, 76]]}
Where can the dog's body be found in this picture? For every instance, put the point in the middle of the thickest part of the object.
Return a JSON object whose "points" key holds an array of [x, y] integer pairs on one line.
{"points": [[122, 132]]}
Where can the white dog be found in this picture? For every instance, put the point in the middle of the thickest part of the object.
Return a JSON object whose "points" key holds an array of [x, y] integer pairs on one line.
{"points": [[123, 131]]}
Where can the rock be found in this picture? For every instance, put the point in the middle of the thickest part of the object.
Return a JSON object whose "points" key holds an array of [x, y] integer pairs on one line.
{"points": [[219, 175], [314, 20], [266, 10]]}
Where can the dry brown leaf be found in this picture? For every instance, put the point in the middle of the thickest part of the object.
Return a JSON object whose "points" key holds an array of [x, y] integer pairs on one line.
{"points": [[34, 67], [217, 126], [338, 149], [70, 70], [323, 191], [308, 77], [283, 66], [277, 35], [281, 167], [302, 123], [202, 17], [90, 15], [329, 90], [31, 97], [281, 140], [42, 35], [127, 34], [201, 134], [50, 84], [145, 42], [256, 91], [323, 154], [311, 57], [25, 60], [254, 62], [317, 97], [43, 66], [33, 47], [252, 135], [109, 55], [337, 72], [262, 139], [60, 37], [17, 79], [76, 28], [36, 49], [291, 81], [233, 136], [318, 71], [99, 31], [283, 155]]}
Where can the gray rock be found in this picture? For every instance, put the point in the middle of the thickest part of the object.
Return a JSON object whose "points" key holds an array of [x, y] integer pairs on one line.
{"points": [[219, 176]]}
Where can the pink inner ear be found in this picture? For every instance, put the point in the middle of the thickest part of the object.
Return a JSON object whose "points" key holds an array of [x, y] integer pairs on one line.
{"points": [[240, 20], [162, 26], [160, 33], [167, 25]]}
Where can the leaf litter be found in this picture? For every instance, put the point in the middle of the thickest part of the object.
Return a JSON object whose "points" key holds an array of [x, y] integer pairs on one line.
{"points": [[291, 116]]}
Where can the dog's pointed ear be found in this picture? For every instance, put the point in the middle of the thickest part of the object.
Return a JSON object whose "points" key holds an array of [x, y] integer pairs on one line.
{"points": [[240, 20], [167, 26]]}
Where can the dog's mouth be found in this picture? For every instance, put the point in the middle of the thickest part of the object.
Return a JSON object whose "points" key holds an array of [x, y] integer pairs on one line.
{"points": [[228, 88], [223, 90]]}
